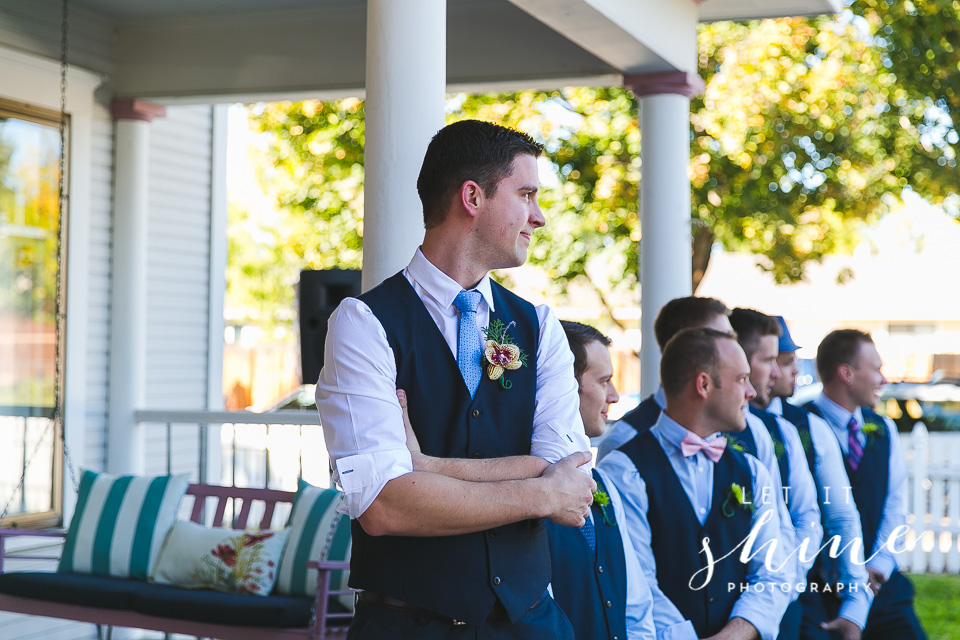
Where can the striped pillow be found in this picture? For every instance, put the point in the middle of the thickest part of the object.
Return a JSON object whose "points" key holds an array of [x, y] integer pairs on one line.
{"points": [[120, 524], [314, 520]]}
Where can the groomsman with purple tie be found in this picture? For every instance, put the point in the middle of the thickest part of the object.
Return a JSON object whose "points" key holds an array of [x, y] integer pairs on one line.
{"points": [[685, 491], [840, 518], [850, 368]]}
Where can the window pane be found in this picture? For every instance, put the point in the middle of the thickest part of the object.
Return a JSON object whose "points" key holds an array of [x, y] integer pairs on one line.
{"points": [[29, 220]]}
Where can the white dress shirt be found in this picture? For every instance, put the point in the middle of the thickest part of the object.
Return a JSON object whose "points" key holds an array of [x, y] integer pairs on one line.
{"points": [[763, 603], [356, 394], [839, 516], [895, 507], [801, 500]]}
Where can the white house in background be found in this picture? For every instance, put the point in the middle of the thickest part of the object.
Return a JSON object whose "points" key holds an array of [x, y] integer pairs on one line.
{"points": [[146, 87]]}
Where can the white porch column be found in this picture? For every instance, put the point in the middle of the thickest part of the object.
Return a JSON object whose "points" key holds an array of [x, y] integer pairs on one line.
{"points": [[665, 242], [128, 340], [405, 94]]}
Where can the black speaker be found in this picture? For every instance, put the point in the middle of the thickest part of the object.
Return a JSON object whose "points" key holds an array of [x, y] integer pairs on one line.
{"points": [[320, 293]]}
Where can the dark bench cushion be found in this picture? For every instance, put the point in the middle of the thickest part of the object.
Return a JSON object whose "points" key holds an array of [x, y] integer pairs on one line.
{"points": [[161, 600]]}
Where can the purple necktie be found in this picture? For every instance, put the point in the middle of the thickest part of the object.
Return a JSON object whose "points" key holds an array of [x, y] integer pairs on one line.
{"points": [[855, 451]]}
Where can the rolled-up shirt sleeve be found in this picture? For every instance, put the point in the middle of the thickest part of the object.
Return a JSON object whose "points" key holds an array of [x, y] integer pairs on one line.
{"points": [[356, 398], [557, 426]]}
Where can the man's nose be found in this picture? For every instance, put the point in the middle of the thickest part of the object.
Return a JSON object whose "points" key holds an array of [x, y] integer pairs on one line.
{"points": [[613, 397], [750, 393], [536, 216], [775, 373]]}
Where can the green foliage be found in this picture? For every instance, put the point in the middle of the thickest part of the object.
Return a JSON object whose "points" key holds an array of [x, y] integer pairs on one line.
{"points": [[808, 129]]}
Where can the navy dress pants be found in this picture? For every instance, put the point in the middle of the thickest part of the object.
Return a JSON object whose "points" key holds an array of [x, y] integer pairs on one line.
{"points": [[544, 621], [892, 616]]}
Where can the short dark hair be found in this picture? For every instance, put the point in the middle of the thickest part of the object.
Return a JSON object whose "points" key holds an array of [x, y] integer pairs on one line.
{"points": [[685, 313], [839, 347], [579, 336], [688, 353], [751, 325], [468, 150]]}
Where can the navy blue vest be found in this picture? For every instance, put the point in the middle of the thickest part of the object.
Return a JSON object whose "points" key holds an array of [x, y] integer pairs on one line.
{"points": [[800, 419], [643, 416], [779, 447], [744, 440], [871, 479], [458, 576], [676, 533], [591, 588]]}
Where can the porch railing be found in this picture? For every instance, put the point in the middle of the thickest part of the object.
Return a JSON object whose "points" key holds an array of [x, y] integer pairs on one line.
{"points": [[255, 449]]}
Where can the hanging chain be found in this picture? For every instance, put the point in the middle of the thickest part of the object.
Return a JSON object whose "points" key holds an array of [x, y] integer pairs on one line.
{"points": [[57, 418], [64, 200]]}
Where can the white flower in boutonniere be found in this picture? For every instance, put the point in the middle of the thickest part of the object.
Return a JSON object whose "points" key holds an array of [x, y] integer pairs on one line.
{"points": [[501, 354], [737, 498]]}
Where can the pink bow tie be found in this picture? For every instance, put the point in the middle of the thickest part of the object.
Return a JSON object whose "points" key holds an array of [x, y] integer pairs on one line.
{"points": [[712, 448]]}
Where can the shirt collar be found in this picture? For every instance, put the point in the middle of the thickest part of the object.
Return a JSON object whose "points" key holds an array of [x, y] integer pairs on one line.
{"points": [[660, 398], [673, 432], [776, 406], [441, 287], [836, 415]]}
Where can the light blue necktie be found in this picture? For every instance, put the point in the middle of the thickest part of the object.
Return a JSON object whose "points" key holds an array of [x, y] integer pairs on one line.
{"points": [[590, 533], [469, 350]]}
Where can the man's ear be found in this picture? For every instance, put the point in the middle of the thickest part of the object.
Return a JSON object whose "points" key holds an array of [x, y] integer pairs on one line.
{"points": [[471, 197], [703, 384], [845, 373]]}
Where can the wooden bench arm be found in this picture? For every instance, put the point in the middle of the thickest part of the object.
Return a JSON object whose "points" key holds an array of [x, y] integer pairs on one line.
{"points": [[11, 533], [321, 614]]}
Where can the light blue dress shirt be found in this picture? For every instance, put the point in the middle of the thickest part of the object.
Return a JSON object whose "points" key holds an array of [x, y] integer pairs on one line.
{"points": [[895, 508], [763, 603], [800, 495], [840, 516], [621, 432]]}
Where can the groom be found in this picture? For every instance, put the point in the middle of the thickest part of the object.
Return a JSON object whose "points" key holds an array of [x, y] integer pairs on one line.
{"points": [[449, 541]]}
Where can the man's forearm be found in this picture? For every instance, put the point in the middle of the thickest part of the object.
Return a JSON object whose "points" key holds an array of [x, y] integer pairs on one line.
{"points": [[737, 629], [482, 470], [431, 504]]}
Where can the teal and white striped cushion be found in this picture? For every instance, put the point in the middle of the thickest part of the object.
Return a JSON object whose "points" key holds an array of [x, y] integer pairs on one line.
{"points": [[313, 516], [120, 524]]}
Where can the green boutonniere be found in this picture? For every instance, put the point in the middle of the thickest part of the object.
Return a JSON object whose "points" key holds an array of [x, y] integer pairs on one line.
{"points": [[871, 431], [805, 440], [737, 498], [778, 449], [500, 353], [603, 500], [733, 442]]}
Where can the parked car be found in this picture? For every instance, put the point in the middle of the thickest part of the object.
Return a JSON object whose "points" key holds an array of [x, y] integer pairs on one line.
{"points": [[936, 404]]}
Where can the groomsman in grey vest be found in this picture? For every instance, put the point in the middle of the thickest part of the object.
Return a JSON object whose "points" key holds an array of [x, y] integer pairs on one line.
{"points": [[449, 540]]}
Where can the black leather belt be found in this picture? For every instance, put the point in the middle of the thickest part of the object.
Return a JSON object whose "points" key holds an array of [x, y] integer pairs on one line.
{"points": [[399, 605]]}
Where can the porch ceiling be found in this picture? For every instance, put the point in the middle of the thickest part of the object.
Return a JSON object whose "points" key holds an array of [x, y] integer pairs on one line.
{"points": [[216, 50]]}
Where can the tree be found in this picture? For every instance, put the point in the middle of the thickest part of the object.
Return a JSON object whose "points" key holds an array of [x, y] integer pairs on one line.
{"points": [[808, 129]]}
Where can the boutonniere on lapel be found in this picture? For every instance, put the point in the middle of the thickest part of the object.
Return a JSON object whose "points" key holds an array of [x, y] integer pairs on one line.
{"points": [[501, 354], [733, 442], [779, 449], [603, 500], [871, 431], [737, 498]]}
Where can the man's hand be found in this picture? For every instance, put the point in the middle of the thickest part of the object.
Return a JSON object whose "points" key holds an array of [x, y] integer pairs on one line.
{"points": [[736, 629], [876, 580], [847, 630], [412, 443], [569, 491]]}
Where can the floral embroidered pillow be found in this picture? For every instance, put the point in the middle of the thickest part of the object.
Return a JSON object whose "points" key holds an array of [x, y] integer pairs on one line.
{"points": [[198, 557]]}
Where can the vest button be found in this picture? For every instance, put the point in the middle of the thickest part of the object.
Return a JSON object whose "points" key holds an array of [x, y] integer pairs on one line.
{"points": [[476, 413], [476, 455], [496, 580], [608, 604], [492, 534], [614, 638], [711, 599], [600, 569]]}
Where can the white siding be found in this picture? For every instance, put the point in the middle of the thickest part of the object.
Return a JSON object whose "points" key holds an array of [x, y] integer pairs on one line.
{"points": [[33, 26], [178, 273], [98, 294]]}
